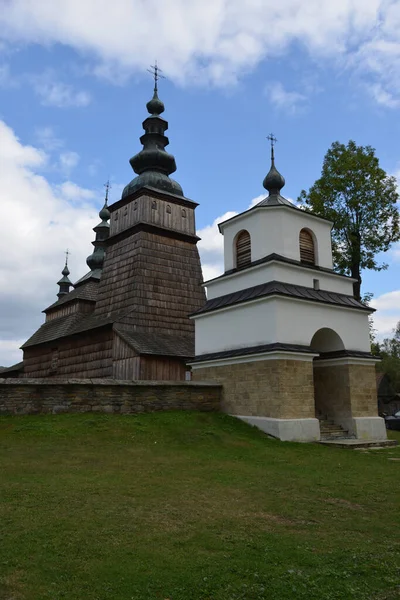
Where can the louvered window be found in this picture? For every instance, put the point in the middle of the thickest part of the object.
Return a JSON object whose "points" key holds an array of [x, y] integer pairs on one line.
{"points": [[307, 251], [243, 250]]}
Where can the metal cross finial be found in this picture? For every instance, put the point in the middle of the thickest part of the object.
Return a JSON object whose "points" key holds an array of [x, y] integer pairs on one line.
{"points": [[108, 186], [67, 253], [273, 141], [155, 71]]}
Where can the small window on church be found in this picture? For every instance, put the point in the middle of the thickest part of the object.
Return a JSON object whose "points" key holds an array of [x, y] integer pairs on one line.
{"points": [[168, 209], [154, 205], [183, 213], [135, 206], [243, 250], [307, 250]]}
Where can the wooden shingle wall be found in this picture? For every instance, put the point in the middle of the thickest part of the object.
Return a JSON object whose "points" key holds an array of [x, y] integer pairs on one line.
{"points": [[78, 306], [153, 211], [157, 277], [82, 356]]}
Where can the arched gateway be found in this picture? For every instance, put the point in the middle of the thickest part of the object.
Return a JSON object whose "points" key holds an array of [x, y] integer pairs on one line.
{"points": [[283, 333]]}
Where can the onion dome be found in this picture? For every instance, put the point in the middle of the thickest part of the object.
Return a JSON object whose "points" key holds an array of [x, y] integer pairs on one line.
{"points": [[153, 163], [273, 181], [64, 282], [155, 106], [96, 260]]}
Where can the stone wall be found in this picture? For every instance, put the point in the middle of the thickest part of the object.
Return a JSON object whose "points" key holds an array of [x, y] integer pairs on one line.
{"points": [[38, 396], [279, 389]]}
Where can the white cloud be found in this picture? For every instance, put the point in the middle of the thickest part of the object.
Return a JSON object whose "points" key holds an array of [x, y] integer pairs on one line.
{"points": [[47, 138], [388, 313], [44, 220], [10, 352], [71, 191], [56, 93], [68, 161], [215, 41], [282, 99]]}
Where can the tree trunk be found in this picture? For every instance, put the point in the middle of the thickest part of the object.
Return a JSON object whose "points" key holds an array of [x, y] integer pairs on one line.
{"points": [[356, 263], [356, 274]]}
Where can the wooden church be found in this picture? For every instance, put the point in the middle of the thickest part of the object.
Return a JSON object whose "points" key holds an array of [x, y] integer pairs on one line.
{"points": [[127, 318]]}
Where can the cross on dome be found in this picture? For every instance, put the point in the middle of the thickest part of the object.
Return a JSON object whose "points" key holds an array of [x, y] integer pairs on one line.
{"points": [[155, 71]]}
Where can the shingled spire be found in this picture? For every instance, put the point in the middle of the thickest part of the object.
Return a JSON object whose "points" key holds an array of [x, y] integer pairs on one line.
{"points": [[64, 282], [95, 260], [153, 164]]}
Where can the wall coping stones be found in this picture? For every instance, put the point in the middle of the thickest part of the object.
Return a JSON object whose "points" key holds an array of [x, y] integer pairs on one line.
{"points": [[111, 382]]}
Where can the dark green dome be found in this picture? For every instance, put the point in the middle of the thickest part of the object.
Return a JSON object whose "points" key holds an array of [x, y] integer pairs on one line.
{"points": [[153, 164], [155, 106], [159, 160], [153, 179], [273, 181], [104, 214]]}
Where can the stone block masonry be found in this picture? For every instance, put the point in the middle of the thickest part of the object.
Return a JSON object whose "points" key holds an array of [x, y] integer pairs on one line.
{"points": [[38, 396], [281, 389]]}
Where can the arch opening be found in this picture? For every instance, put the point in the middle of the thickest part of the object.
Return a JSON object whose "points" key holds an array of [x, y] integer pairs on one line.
{"points": [[326, 340], [243, 249], [307, 247], [328, 379]]}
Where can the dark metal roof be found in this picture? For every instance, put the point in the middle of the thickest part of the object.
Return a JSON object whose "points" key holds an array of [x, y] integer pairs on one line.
{"points": [[156, 343], [283, 259], [282, 289], [276, 200], [86, 292], [250, 350]]}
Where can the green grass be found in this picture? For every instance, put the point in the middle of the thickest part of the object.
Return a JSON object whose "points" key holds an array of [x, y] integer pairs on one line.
{"points": [[191, 506]]}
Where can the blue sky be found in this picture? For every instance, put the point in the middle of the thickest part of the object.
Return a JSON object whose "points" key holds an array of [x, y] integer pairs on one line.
{"points": [[73, 89]]}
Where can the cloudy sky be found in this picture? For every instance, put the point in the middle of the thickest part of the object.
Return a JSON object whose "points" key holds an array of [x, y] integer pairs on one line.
{"points": [[73, 88]]}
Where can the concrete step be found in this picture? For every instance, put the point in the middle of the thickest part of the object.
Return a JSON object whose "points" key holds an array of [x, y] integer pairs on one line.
{"points": [[358, 444], [330, 431]]}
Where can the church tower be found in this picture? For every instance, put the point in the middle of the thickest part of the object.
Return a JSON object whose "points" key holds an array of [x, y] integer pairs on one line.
{"points": [[282, 331], [152, 279]]}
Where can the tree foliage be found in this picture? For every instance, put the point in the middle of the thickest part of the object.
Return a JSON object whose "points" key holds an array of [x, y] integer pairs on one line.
{"points": [[360, 198], [389, 353]]}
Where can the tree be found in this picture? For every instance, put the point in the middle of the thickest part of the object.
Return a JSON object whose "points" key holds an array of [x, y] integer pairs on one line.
{"points": [[360, 198], [389, 352]]}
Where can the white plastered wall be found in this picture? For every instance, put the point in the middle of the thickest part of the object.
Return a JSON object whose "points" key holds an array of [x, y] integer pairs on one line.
{"points": [[276, 230], [275, 271], [277, 319]]}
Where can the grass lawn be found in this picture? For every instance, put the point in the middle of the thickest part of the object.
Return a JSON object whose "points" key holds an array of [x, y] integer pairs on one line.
{"points": [[191, 506]]}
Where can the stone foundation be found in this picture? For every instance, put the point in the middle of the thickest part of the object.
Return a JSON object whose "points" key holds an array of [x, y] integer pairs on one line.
{"points": [[287, 430], [38, 396], [344, 389], [277, 388]]}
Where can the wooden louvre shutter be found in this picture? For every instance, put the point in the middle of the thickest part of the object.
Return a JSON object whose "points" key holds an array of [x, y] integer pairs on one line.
{"points": [[243, 250], [307, 254]]}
